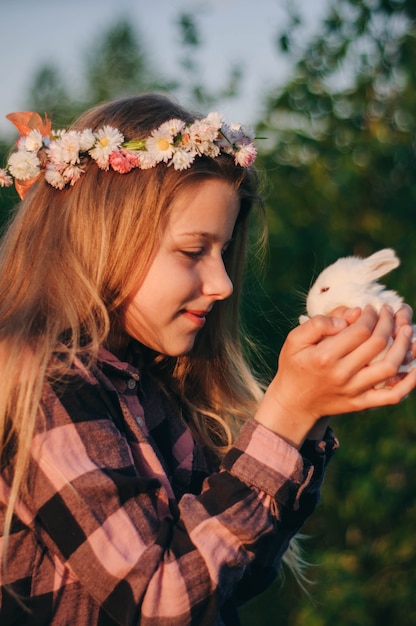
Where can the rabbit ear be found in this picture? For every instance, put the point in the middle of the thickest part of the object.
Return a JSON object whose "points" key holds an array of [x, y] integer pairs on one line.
{"points": [[380, 263]]}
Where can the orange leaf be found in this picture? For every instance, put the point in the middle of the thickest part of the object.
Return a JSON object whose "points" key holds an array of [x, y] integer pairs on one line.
{"points": [[23, 186], [26, 121]]}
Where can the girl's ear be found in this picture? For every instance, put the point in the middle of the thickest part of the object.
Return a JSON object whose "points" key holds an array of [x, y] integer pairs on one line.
{"points": [[380, 263]]}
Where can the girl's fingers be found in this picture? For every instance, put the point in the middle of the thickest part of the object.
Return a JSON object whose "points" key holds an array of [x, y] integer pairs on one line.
{"points": [[313, 332], [403, 316], [353, 353], [386, 368], [376, 343], [387, 395], [350, 315], [351, 338], [400, 346]]}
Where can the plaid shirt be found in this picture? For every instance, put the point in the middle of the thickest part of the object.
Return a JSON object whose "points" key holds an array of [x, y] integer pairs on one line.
{"points": [[127, 523]]}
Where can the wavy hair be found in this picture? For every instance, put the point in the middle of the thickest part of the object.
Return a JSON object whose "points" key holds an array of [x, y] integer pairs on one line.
{"points": [[70, 259]]}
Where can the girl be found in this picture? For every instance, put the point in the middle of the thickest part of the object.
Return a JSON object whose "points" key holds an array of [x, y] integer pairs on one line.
{"points": [[145, 477]]}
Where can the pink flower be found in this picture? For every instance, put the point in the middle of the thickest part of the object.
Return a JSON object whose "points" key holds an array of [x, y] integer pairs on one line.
{"points": [[133, 157], [123, 161], [5, 179], [246, 155]]}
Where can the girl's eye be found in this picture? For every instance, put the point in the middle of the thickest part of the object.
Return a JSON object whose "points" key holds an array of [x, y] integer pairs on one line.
{"points": [[193, 254]]}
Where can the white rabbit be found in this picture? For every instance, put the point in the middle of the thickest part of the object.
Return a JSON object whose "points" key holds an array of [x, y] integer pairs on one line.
{"points": [[352, 281]]}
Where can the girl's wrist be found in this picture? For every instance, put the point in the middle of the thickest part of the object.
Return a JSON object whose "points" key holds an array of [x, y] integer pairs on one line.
{"points": [[290, 425], [317, 432]]}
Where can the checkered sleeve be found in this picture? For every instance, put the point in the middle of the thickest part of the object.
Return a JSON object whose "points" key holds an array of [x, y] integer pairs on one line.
{"points": [[110, 531], [268, 489]]}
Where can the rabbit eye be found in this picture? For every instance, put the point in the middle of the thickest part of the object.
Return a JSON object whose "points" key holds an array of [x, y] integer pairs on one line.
{"points": [[324, 289]]}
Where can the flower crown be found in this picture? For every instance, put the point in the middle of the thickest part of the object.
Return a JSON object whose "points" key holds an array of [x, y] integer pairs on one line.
{"points": [[61, 154]]}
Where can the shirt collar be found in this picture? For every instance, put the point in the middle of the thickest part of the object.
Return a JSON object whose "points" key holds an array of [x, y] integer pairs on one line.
{"points": [[111, 362]]}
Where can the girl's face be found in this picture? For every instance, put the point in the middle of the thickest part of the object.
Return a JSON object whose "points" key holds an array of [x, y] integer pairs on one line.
{"points": [[187, 274]]}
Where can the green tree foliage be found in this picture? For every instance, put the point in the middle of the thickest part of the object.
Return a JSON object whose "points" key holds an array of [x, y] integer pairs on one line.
{"points": [[49, 93], [192, 77], [340, 163], [117, 65]]}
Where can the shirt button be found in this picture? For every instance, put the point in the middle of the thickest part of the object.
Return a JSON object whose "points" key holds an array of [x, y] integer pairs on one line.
{"points": [[131, 383]]}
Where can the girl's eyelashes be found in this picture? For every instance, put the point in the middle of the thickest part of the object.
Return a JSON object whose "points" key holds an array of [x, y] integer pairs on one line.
{"points": [[199, 252], [193, 254]]}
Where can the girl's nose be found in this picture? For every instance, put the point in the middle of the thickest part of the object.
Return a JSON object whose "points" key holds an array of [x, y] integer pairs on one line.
{"points": [[216, 282]]}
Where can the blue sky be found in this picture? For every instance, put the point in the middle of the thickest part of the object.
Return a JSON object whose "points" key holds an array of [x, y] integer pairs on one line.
{"points": [[35, 32]]}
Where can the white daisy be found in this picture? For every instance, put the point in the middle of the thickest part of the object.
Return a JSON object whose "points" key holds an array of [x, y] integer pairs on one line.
{"points": [[159, 145], [86, 140], [24, 165], [33, 141], [172, 127], [182, 159], [203, 130], [210, 149], [72, 174], [107, 140], [202, 137], [69, 146], [54, 178], [21, 142], [214, 119], [57, 154]]}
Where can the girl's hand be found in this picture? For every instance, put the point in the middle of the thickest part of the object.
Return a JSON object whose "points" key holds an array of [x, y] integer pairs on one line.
{"points": [[325, 368], [403, 317]]}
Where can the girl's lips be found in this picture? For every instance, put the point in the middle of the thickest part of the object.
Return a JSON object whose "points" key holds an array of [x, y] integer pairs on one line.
{"points": [[197, 317]]}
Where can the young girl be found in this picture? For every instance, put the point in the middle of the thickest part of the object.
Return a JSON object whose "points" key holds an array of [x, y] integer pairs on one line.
{"points": [[145, 477]]}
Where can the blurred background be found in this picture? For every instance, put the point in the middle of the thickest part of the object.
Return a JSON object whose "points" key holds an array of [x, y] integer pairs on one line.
{"points": [[330, 86]]}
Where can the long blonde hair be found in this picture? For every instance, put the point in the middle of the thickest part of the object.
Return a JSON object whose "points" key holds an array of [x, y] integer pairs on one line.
{"points": [[68, 262], [70, 259]]}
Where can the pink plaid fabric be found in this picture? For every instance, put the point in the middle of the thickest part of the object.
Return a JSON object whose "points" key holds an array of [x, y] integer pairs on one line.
{"points": [[127, 522]]}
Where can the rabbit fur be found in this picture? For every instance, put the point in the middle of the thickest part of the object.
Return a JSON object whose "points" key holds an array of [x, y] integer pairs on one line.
{"points": [[352, 281]]}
